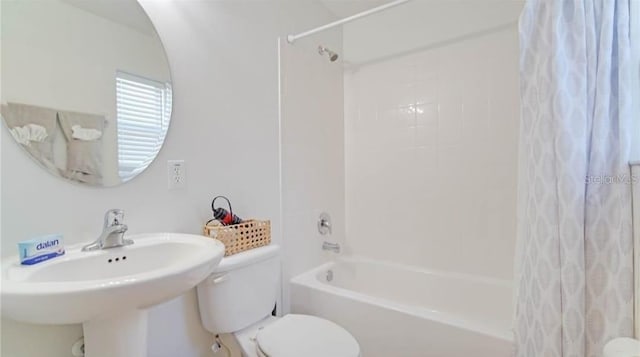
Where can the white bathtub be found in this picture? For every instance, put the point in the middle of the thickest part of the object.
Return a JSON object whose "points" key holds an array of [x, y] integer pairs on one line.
{"points": [[401, 311]]}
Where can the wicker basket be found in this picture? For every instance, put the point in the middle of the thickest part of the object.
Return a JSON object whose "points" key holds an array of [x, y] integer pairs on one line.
{"points": [[240, 237]]}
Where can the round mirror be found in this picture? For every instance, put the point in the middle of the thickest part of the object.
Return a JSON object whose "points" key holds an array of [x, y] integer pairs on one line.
{"points": [[86, 87]]}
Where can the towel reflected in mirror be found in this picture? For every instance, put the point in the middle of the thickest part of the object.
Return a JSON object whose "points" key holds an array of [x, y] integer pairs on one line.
{"points": [[35, 129]]}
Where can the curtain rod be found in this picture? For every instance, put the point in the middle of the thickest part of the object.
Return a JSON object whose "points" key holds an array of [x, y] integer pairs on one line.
{"points": [[293, 38]]}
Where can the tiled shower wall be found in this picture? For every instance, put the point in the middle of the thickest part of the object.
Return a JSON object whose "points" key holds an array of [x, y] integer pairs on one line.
{"points": [[431, 144]]}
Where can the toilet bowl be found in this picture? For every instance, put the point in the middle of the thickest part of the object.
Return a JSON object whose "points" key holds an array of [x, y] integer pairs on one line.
{"points": [[622, 347], [239, 298], [296, 335]]}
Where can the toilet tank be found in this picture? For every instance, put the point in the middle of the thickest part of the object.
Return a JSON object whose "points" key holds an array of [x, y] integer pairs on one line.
{"points": [[241, 291]]}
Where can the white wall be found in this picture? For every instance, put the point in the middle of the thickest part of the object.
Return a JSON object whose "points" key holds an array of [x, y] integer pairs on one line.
{"points": [[223, 58], [312, 151], [635, 189], [431, 142], [43, 67], [635, 62]]}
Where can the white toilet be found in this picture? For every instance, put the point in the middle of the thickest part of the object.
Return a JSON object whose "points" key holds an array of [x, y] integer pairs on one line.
{"points": [[239, 298]]}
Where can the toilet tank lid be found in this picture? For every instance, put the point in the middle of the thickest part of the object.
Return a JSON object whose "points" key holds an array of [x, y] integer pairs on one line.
{"points": [[247, 257]]}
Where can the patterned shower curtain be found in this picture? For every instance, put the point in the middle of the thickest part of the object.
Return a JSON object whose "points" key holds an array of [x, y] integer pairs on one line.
{"points": [[574, 275]]}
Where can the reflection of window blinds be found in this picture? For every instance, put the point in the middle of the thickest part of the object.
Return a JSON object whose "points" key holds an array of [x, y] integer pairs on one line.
{"points": [[143, 109]]}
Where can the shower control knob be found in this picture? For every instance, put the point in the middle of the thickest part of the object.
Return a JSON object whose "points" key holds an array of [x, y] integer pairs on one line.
{"points": [[324, 224]]}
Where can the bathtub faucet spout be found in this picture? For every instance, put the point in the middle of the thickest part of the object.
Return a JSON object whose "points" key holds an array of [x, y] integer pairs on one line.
{"points": [[334, 247]]}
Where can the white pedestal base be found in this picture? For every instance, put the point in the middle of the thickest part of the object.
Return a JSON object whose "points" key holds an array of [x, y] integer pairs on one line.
{"points": [[121, 335]]}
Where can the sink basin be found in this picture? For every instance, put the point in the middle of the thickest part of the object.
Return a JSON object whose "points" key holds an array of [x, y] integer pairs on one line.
{"points": [[108, 289], [80, 286]]}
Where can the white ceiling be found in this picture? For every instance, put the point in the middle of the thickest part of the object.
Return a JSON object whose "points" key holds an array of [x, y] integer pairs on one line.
{"points": [[124, 12], [344, 8]]}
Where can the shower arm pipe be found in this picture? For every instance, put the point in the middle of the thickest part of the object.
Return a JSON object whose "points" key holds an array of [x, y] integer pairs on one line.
{"points": [[294, 38]]}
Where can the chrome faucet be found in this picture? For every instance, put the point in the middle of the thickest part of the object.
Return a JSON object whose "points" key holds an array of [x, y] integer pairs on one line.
{"points": [[334, 247], [112, 233]]}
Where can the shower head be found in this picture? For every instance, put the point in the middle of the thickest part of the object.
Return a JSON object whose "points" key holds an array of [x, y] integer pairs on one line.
{"points": [[332, 55]]}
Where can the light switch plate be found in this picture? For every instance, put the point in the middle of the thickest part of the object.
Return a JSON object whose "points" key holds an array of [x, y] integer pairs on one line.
{"points": [[176, 174]]}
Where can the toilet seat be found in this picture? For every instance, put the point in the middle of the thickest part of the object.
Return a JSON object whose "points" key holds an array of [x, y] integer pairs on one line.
{"points": [[302, 335]]}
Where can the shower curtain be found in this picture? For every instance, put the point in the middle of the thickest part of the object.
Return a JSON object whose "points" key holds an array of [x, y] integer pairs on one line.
{"points": [[574, 274]]}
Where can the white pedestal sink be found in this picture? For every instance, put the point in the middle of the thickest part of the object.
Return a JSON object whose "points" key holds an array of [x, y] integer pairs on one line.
{"points": [[110, 290]]}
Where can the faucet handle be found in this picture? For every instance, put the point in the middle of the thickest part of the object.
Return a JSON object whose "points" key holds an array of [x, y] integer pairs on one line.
{"points": [[113, 217], [324, 224]]}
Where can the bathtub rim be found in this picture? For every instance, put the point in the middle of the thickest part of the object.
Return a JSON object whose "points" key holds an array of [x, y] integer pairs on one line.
{"points": [[309, 279]]}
